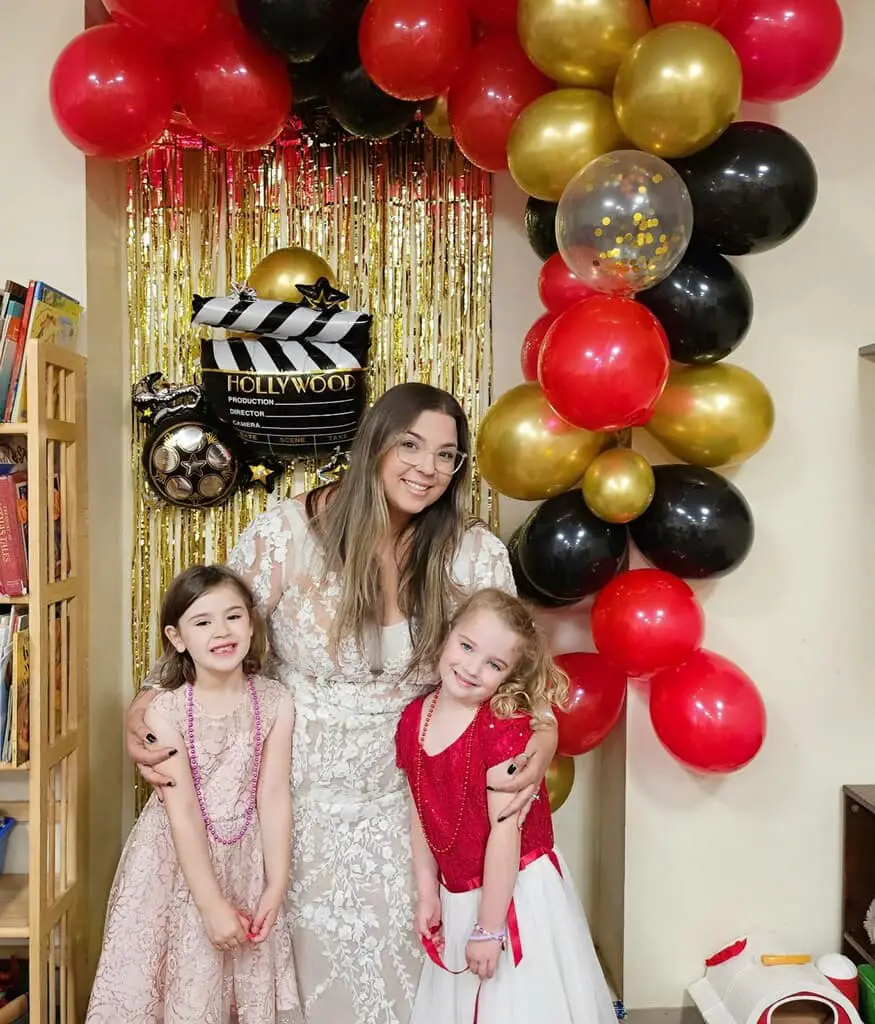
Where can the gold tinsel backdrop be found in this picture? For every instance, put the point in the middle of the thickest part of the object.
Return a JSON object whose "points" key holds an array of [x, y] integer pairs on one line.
{"points": [[406, 224]]}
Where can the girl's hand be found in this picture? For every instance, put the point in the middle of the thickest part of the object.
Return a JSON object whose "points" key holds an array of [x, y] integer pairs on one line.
{"points": [[265, 916], [427, 919], [224, 927], [141, 744], [527, 771], [482, 958]]}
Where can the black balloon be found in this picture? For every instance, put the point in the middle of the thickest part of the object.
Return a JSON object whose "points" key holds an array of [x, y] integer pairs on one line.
{"points": [[526, 590], [567, 552], [751, 189], [364, 110], [299, 28], [541, 227], [705, 305], [698, 525]]}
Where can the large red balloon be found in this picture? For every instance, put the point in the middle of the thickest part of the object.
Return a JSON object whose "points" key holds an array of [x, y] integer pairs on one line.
{"points": [[559, 288], [645, 620], [170, 22], [604, 363], [785, 46], [496, 83], [596, 697], [532, 346], [494, 13], [235, 91], [705, 12], [412, 49], [111, 92], [708, 713]]}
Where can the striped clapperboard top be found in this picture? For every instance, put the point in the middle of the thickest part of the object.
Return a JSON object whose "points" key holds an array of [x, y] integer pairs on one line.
{"points": [[297, 389]]}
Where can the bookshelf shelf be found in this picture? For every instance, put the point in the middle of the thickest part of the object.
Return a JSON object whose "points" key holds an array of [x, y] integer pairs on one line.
{"points": [[44, 910]]}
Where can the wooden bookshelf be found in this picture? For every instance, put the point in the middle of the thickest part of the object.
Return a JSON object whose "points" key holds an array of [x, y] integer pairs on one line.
{"points": [[44, 910]]}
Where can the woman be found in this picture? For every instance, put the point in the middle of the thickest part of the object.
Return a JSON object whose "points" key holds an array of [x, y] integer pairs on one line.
{"points": [[357, 580]]}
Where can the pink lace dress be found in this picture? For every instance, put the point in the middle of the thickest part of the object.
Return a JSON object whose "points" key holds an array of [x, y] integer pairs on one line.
{"points": [[157, 965]]}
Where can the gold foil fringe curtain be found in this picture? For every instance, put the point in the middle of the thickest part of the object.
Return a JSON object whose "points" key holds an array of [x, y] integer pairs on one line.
{"points": [[407, 226]]}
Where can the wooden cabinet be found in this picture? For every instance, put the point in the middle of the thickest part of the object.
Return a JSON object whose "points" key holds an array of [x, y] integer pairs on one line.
{"points": [[858, 874], [42, 913]]}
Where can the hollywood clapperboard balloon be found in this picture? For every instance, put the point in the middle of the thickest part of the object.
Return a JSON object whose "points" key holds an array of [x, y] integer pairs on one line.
{"points": [[298, 388]]}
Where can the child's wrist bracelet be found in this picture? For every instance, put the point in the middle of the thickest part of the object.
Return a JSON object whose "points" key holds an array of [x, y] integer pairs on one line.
{"points": [[480, 934]]}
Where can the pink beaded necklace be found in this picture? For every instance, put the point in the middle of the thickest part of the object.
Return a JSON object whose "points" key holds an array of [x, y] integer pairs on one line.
{"points": [[196, 772]]}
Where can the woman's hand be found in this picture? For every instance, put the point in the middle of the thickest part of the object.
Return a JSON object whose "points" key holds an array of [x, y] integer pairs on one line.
{"points": [[527, 771], [141, 744]]}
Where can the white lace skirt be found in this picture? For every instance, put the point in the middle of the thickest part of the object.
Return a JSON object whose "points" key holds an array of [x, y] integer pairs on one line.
{"points": [[558, 980]]}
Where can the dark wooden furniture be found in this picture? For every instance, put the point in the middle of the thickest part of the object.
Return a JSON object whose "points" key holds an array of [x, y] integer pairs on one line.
{"points": [[858, 874]]}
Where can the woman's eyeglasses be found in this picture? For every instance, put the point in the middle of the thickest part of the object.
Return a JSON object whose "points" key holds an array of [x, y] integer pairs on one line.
{"points": [[447, 461]]}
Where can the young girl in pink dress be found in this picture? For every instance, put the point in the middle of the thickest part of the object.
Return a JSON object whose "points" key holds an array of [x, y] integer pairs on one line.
{"points": [[196, 929], [507, 939]]}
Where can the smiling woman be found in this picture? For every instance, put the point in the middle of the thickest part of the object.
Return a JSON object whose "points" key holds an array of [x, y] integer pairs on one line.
{"points": [[357, 581]]}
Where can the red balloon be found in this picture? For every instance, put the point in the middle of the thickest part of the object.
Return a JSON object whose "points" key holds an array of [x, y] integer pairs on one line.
{"points": [[595, 702], [494, 13], [532, 346], [111, 92], [235, 91], [705, 12], [559, 288], [604, 363], [646, 620], [708, 713], [170, 22], [412, 49], [785, 46], [496, 83]]}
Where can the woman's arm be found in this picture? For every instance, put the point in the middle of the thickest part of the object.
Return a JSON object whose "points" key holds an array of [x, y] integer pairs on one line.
{"points": [[142, 744], [190, 840], [500, 871], [525, 773], [275, 800]]}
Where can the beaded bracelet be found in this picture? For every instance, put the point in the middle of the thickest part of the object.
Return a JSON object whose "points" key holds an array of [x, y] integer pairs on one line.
{"points": [[480, 934]]}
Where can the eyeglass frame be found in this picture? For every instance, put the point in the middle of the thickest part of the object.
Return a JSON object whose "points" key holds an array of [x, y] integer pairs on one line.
{"points": [[433, 452]]}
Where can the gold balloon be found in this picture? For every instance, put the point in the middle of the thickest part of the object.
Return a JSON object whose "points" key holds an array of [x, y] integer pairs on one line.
{"points": [[526, 451], [678, 89], [278, 275], [581, 42], [560, 779], [618, 485], [437, 118], [712, 416], [557, 135]]}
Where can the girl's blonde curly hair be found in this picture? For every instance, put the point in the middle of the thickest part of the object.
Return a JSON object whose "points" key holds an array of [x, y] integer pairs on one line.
{"points": [[535, 683]]}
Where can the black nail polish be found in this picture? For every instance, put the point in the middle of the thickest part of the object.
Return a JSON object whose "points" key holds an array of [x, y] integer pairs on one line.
{"points": [[491, 789], [511, 770], [170, 785], [150, 738], [172, 752], [503, 817]]}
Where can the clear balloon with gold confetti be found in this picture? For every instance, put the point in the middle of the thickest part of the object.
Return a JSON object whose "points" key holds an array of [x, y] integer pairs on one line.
{"points": [[624, 222]]}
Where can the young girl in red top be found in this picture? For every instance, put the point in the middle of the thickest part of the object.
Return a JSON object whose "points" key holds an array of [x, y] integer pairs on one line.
{"points": [[507, 939]]}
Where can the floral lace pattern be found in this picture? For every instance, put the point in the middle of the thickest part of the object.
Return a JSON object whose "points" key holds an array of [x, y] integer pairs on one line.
{"points": [[157, 965], [357, 958]]}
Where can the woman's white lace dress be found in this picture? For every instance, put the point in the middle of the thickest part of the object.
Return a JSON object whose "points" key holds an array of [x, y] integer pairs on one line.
{"points": [[357, 957]]}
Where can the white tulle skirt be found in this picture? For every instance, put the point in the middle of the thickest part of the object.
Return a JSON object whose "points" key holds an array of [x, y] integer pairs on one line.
{"points": [[558, 980]]}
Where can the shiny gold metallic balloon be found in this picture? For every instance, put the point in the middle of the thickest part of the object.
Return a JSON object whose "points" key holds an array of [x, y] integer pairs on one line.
{"points": [[278, 275], [618, 485], [678, 89], [526, 451], [712, 416], [557, 135], [560, 779], [581, 42], [437, 118]]}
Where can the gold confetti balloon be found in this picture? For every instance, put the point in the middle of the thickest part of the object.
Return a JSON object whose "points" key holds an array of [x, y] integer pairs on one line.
{"points": [[677, 90], [624, 222]]}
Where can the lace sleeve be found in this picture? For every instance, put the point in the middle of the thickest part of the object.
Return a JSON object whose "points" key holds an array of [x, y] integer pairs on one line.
{"points": [[264, 555], [485, 562]]}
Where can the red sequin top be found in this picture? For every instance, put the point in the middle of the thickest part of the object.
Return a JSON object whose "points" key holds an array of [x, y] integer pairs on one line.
{"points": [[442, 787]]}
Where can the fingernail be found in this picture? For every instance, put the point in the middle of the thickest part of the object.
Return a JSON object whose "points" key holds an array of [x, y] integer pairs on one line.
{"points": [[491, 789], [150, 738], [503, 817], [170, 785], [511, 770], [172, 752]]}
